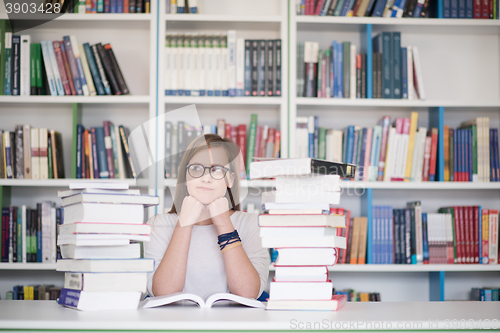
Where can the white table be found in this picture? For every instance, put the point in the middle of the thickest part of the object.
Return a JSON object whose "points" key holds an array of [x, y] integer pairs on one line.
{"points": [[437, 316]]}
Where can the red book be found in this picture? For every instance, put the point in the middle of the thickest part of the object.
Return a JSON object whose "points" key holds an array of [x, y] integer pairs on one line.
{"points": [[109, 149], [477, 9], [472, 238], [477, 225], [60, 65], [467, 233], [86, 158], [277, 144], [227, 131], [433, 157], [462, 233], [485, 9], [385, 122], [68, 69], [319, 5], [427, 159], [258, 139], [490, 13]]}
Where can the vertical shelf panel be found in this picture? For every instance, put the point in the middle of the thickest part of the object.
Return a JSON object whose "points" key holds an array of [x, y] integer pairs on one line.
{"points": [[366, 210], [436, 120], [436, 286]]}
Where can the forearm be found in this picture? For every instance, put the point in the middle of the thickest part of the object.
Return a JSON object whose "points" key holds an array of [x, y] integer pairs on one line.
{"points": [[170, 275], [242, 277]]}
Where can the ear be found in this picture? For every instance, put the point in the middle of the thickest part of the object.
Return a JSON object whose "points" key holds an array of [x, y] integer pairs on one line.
{"points": [[230, 179]]}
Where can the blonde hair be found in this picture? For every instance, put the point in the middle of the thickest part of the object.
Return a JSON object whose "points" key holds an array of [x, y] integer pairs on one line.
{"points": [[200, 143]]}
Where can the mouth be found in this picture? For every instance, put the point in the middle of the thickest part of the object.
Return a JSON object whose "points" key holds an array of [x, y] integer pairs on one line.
{"points": [[201, 188]]}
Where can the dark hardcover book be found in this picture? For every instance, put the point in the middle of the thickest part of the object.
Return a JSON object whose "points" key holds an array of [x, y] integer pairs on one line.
{"points": [[132, 6], [397, 240], [34, 234], [407, 235], [5, 234], [349, 242], [461, 8], [379, 75], [39, 233], [27, 244], [346, 49], [127, 153], [32, 69], [363, 75], [248, 67], [454, 8], [374, 75], [67, 68], [270, 68], [425, 238], [100, 67], [402, 236], [425, 9], [13, 232], [116, 69], [16, 65], [79, 150], [261, 68], [469, 9], [358, 76], [413, 235], [50, 156], [331, 8], [255, 65], [19, 151], [2, 167], [382, 44], [12, 136], [107, 6], [369, 8], [109, 148], [168, 149], [410, 7], [93, 151], [396, 64], [94, 70], [378, 9], [60, 66], [277, 74], [404, 72], [108, 70], [58, 154], [101, 153], [72, 65]]}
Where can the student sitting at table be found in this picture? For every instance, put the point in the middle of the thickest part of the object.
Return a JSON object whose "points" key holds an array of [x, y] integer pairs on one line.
{"points": [[205, 244]]}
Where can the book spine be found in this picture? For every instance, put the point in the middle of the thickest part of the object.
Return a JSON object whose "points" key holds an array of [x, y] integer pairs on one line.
{"points": [[116, 69], [255, 66], [67, 69], [95, 155], [5, 234], [25, 65], [72, 65], [102, 75], [94, 71], [109, 149], [16, 62], [62, 69], [79, 66], [108, 69], [248, 68], [101, 153], [232, 62], [127, 152], [7, 74], [55, 68], [8, 154], [240, 67], [39, 235], [86, 71], [19, 152]]}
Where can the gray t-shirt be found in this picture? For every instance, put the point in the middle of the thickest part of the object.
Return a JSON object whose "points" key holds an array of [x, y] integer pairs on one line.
{"points": [[205, 272]]}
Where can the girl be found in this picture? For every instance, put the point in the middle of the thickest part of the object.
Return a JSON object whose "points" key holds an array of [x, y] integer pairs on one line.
{"points": [[205, 244]]}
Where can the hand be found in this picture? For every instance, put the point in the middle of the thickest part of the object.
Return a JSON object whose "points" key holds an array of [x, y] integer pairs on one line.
{"points": [[191, 211], [219, 213]]}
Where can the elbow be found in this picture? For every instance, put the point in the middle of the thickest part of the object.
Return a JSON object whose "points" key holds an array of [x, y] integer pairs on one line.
{"points": [[162, 289]]}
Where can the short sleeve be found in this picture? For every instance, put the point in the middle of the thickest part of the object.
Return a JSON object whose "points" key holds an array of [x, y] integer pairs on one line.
{"points": [[249, 233], [162, 230]]}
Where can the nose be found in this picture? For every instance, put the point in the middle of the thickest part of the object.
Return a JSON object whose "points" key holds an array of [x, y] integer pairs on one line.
{"points": [[206, 177]]}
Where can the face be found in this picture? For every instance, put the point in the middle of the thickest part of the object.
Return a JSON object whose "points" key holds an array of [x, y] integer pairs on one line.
{"points": [[206, 189]]}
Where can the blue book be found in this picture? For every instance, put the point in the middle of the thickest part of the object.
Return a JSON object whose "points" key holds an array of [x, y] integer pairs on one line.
{"points": [[413, 255], [39, 233], [463, 154], [396, 64], [378, 10], [497, 158], [425, 238], [94, 71], [454, 9], [16, 65], [469, 153], [389, 217], [376, 235], [79, 149], [5, 231], [347, 7], [331, 76], [339, 7], [458, 159], [446, 8], [19, 235], [397, 242], [350, 143], [404, 72], [100, 6], [248, 67], [418, 10], [382, 44], [369, 8], [395, 8], [487, 295], [113, 6], [119, 6], [101, 153], [469, 9], [461, 9], [339, 77], [344, 144], [311, 141]]}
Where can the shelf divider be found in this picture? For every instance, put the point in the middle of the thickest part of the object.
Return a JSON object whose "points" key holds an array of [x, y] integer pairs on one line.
{"points": [[436, 286]]}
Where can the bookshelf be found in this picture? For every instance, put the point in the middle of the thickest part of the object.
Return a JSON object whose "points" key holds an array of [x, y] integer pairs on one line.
{"points": [[138, 42]]}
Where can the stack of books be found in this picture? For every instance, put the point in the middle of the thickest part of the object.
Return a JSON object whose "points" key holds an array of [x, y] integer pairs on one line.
{"points": [[299, 225], [101, 257]]}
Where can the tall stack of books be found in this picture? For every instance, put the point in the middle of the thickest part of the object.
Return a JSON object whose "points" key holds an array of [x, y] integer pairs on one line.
{"points": [[299, 225], [103, 223]]}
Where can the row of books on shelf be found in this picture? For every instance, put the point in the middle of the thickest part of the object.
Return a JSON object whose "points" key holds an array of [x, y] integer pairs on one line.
{"points": [[104, 152], [257, 141], [29, 235], [405, 152], [485, 294], [31, 153], [356, 296], [58, 68], [36, 292], [375, 8], [221, 65], [182, 7], [340, 72], [100, 6]]}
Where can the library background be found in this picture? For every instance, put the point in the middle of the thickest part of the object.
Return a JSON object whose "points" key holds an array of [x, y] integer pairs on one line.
{"points": [[409, 91]]}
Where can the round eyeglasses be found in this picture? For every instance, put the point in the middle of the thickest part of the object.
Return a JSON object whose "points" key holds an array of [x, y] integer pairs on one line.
{"points": [[216, 171]]}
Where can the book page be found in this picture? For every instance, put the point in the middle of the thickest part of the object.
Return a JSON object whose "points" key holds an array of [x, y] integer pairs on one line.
{"points": [[235, 298], [152, 302]]}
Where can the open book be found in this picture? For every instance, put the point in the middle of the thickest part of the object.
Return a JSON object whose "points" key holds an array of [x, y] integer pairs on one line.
{"points": [[205, 302]]}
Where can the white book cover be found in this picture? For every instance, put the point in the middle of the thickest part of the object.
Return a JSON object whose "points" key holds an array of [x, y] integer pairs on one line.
{"points": [[181, 6], [415, 155], [174, 64], [240, 66], [398, 156], [300, 291], [44, 159], [23, 232], [409, 65], [224, 68], [86, 71], [188, 66], [418, 229], [35, 153], [48, 68], [209, 66], [78, 59], [231, 62], [119, 153], [206, 302], [353, 72], [180, 65], [217, 64], [418, 72], [390, 155], [53, 232], [55, 69], [201, 66], [195, 71], [420, 147], [25, 65], [46, 232], [167, 62], [486, 132], [130, 251], [7, 144]]}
